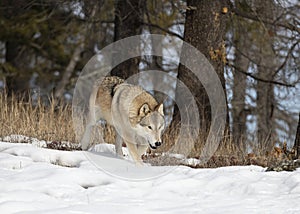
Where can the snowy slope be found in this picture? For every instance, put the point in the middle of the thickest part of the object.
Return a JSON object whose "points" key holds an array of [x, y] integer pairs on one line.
{"points": [[38, 180]]}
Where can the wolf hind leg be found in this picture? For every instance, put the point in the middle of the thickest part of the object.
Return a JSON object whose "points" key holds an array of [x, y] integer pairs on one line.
{"points": [[86, 138], [118, 145]]}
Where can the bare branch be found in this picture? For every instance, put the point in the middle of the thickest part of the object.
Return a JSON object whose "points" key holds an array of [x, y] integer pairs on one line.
{"points": [[259, 79], [255, 18], [287, 57], [163, 29]]}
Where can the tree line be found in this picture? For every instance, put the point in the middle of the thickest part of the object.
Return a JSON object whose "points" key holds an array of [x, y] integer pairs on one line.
{"points": [[254, 47]]}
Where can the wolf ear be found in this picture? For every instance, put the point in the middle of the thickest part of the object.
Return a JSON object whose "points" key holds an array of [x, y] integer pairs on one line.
{"points": [[144, 109], [161, 109]]}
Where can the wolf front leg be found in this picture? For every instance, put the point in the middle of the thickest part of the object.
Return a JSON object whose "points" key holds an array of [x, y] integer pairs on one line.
{"points": [[142, 148], [134, 153]]}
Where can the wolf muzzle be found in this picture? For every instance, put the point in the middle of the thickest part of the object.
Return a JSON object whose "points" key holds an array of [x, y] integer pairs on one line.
{"points": [[157, 144]]}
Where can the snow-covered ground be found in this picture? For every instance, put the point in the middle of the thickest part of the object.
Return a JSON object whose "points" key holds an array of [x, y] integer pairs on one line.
{"points": [[39, 180]]}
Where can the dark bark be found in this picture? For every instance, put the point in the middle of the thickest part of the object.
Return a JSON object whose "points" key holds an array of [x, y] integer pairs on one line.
{"points": [[128, 19], [297, 140], [205, 29], [266, 61], [241, 64], [17, 81], [239, 113]]}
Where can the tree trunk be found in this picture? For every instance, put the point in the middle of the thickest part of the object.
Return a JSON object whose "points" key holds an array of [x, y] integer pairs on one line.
{"points": [[59, 91], [297, 140], [128, 16], [265, 109], [91, 10], [238, 98], [205, 28], [241, 64], [156, 64], [18, 80], [266, 60]]}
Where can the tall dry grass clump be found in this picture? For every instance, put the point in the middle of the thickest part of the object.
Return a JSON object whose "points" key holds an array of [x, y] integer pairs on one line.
{"points": [[20, 115]]}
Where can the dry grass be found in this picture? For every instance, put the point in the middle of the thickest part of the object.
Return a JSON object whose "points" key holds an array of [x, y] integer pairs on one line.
{"points": [[19, 115], [228, 153]]}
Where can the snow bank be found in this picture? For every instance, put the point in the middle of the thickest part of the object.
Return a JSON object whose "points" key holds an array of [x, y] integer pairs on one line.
{"points": [[39, 180]]}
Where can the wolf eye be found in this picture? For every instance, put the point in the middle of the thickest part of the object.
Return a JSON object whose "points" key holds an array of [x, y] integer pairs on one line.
{"points": [[149, 127]]}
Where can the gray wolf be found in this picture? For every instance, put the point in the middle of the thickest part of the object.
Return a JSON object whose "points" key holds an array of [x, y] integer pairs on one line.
{"points": [[135, 114]]}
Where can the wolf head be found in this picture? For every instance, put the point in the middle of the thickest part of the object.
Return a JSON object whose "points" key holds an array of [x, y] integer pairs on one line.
{"points": [[151, 125]]}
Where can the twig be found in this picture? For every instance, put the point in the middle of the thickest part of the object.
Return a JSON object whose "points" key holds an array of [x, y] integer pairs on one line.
{"points": [[258, 78], [163, 29], [255, 18]]}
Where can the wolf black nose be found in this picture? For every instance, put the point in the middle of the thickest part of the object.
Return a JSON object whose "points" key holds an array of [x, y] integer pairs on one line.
{"points": [[157, 144]]}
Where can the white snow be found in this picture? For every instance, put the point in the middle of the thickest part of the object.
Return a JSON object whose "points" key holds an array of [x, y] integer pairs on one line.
{"points": [[37, 180]]}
